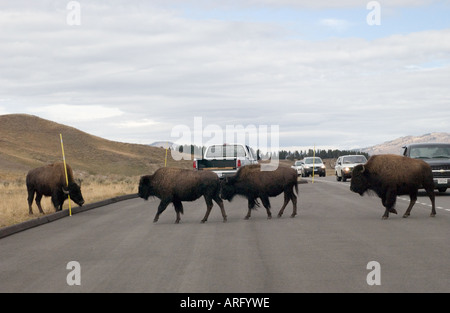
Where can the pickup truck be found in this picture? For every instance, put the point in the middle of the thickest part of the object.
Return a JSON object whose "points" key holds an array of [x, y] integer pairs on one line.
{"points": [[437, 155], [225, 159]]}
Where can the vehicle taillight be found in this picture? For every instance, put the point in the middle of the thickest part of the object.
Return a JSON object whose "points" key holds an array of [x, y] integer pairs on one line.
{"points": [[238, 163], [195, 164]]}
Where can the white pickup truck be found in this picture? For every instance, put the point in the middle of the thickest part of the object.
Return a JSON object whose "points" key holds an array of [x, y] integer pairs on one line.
{"points": [[225, 159]]}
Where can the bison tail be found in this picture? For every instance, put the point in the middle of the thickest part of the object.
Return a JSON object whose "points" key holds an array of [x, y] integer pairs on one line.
{"points": [[296, 186]]}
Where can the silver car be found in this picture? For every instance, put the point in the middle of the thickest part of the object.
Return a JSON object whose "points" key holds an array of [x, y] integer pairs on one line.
{"points": [[345, 164]]}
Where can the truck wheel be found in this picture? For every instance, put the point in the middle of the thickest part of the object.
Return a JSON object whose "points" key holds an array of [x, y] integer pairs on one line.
{"points": [[338, 178]]}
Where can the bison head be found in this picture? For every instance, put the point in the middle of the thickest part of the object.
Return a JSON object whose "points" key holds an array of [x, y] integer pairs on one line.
{"points": [[145, 187], [227, 189], [74, 191], [359, 182]]}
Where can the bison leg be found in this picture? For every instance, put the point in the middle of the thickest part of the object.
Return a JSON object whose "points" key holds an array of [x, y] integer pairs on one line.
{"points": [[266, 204], [209, 205], [30, 201], [222, 209], [251, 206], [389, 203], [288, 196], [413, 199], [58, 200], [162, 206], [294, 205], [178, 209], [430, 193], [38, 202]]}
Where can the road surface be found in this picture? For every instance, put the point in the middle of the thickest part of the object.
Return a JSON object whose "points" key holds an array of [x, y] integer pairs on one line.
{"points": [[328, 247]]}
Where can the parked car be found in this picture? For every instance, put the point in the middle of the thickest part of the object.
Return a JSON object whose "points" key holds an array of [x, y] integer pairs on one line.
{"points": [[345, 164], [298, 165], [313, 165], [437, 155]]}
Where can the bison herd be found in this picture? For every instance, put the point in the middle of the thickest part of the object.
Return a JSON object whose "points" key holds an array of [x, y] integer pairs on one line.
{"points": [[386, 175]]}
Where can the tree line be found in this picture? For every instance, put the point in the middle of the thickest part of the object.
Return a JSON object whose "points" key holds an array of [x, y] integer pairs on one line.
{"points": [[283, 154], [322, 153]]}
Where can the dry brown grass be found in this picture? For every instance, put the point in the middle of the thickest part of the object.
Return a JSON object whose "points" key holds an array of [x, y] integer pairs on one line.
{"points": [[14, 205], [107, 168]]}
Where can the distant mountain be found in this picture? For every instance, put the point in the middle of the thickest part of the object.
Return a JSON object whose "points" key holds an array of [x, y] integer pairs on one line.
{"points": [[27, 141], [395, 146], [162, 144]]}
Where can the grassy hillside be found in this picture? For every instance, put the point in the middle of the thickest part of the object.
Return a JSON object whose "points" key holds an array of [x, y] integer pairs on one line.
{"points": [[107, 168], [28, 141]]}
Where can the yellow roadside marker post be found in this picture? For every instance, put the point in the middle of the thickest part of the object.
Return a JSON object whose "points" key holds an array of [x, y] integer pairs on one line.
{"points": [[314, 163], [65, 170], [165, 161]]}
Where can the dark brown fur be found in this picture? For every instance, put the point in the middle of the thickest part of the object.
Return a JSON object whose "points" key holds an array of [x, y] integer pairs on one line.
{"points": [[253, 183], [50, 181], [174, 185], [392, 175]]}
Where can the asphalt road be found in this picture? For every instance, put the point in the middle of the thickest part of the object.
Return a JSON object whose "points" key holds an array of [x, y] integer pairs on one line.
{"points": [[326, 248]]}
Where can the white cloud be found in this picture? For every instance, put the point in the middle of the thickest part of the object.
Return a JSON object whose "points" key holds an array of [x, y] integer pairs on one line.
{"points": [[78, 113], [338, 25], [138, 123], [150, 68]]}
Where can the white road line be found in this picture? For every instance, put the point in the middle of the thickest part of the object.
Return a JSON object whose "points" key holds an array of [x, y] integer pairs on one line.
{"points": [[348, 184], [425, 204]]}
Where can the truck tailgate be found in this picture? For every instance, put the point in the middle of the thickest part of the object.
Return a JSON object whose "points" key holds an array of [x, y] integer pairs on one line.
{"points": [[216, 164]]}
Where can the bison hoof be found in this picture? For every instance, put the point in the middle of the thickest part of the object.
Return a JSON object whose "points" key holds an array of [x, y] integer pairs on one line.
{"points": [[247, 217], [225, 220], [269, 217], [203, 221], [279, 215], [432, 214], [293, 215], [384, 217]]}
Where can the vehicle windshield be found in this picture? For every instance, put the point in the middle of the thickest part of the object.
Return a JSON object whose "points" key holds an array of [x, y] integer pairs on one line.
{"points": [[225, 151], [430, 152], [313, 160], [297, 163], [354, 159]]}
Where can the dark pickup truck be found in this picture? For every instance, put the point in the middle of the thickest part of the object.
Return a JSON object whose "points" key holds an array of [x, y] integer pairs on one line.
{"points": [[437, 155]]}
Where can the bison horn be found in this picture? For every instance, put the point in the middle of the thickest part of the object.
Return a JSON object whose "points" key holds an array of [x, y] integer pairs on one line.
{"points": [[65, 191], [363, 169]]}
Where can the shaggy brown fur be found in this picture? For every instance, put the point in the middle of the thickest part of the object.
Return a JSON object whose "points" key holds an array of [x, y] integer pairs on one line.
{"points": [[392, 175], [253, 183], [174, 185], [50, 181]]}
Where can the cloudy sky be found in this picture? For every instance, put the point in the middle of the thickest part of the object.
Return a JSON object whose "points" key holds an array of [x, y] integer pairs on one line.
{"points": [[342, 74]]}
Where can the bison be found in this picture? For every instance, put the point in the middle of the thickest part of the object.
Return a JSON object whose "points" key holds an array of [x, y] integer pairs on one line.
{"points": [[174, 185], [392, 175], [251, 182], [50, 181]]}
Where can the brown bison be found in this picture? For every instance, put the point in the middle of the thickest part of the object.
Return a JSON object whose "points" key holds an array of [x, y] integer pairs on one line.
{"points": [[176, 185], [392, 175], [50, 181], [253, 183]]}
